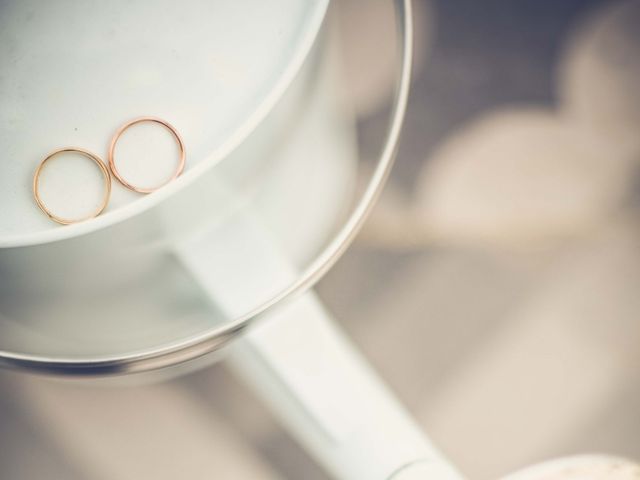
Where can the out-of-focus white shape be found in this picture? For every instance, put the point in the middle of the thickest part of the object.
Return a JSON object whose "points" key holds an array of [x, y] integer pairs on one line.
{"points": [[368, 44], [599, 74], [581, 467], [154, 431], [535, 386], [518, 396], [442, 305], [425, 470], [517, 176]]}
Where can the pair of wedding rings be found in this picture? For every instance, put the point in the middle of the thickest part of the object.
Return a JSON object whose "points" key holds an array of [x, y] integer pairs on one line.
{"points": [[107, 171]]}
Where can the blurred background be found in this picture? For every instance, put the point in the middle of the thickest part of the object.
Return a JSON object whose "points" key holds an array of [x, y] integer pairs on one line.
{"points": [[495, 287]]}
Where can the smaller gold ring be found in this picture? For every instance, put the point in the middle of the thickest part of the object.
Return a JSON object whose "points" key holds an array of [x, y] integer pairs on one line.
{"points": [[84, 153], [116, 137]]}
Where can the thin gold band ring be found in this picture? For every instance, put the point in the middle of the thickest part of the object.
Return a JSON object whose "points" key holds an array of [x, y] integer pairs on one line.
{"points": [[84, 153], [118, 134]]}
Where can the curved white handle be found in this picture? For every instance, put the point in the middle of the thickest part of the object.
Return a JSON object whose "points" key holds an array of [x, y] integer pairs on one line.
{"points": [[300, 363], [303, 366], [321, 388]]}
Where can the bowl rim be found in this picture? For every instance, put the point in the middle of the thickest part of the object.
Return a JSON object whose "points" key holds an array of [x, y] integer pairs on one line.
{"points": [[215, 338], [142, 204]]}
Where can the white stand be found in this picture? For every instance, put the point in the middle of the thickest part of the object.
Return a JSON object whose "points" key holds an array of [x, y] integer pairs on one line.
{"points": [[321, 388], [305, 369], [301, 364]]}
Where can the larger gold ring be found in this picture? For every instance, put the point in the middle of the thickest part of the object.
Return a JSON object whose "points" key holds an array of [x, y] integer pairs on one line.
{"points": [[121, 130], [89, 155]]}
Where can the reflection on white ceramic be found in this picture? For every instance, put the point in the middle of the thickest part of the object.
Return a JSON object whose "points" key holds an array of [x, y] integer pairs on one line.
{"points": [[599, 74]]}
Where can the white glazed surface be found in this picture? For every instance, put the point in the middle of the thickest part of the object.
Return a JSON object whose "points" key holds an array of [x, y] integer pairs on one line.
{"points": [[74, 71], [107, 291]]}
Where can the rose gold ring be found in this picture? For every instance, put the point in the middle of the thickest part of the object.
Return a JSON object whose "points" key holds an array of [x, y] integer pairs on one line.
{"points": [[84, 153], [121, 130]]}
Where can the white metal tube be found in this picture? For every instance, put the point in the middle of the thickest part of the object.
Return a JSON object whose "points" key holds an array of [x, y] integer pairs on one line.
{"points": [[302, 365], [326, 394]]}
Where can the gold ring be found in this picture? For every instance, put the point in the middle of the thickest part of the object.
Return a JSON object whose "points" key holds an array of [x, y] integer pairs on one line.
{"points": [[89, 155], [114, 140]]}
